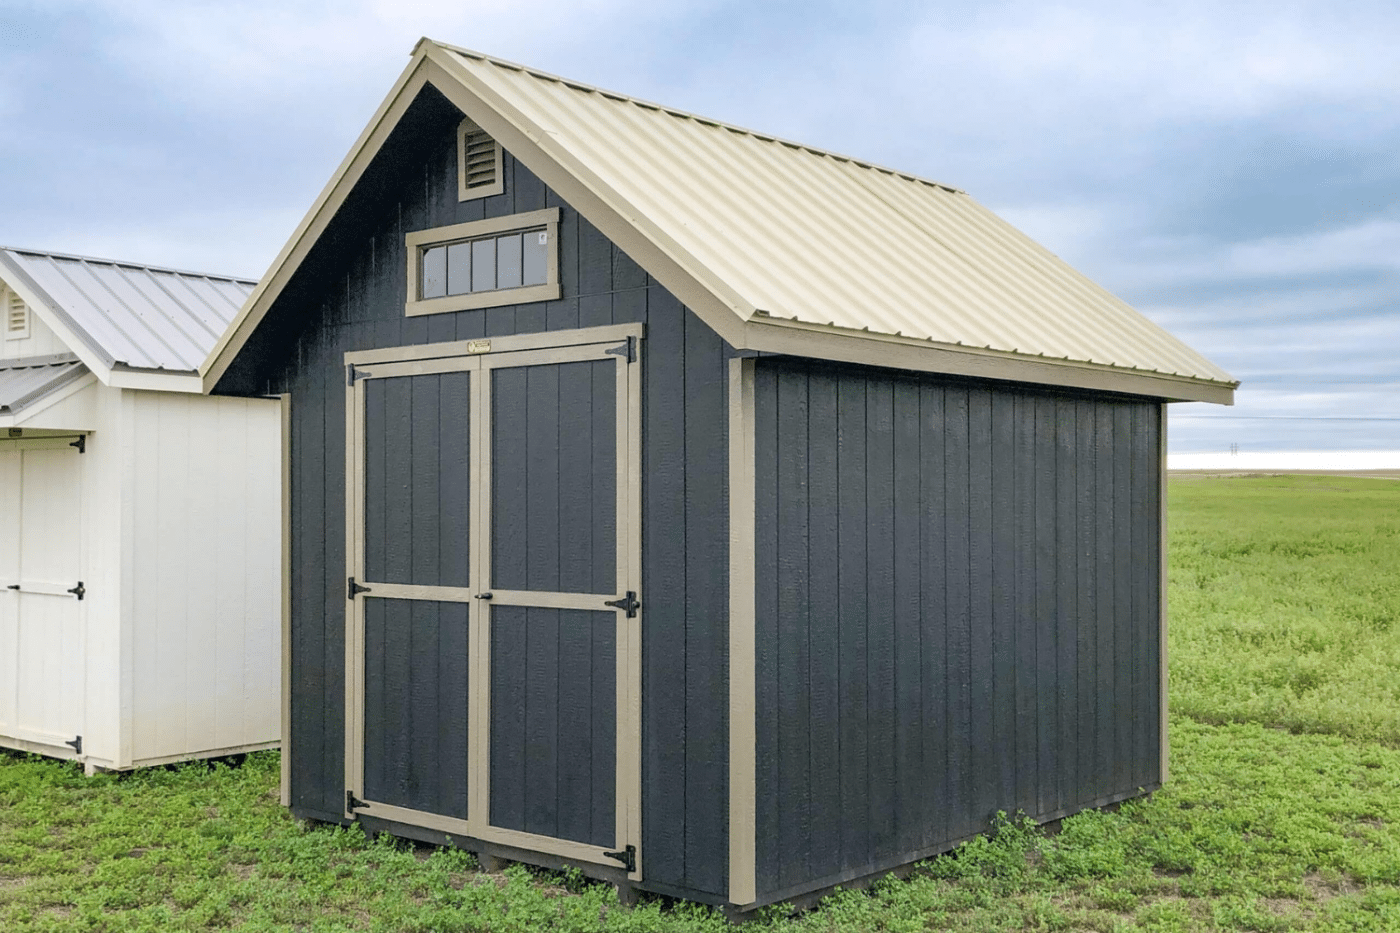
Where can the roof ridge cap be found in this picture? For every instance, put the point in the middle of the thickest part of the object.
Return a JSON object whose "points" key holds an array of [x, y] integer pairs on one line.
{"points": [[687, 115]]}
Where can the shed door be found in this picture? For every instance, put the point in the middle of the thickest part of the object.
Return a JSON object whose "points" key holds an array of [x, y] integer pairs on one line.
{"points": [[41, 638], [495, 654]]}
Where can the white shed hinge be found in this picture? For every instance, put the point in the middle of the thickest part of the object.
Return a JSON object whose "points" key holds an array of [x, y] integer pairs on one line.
{"points": [[80, 443]]}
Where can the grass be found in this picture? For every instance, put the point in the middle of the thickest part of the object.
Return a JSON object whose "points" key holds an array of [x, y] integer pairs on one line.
{"points": [[1283, 812]]}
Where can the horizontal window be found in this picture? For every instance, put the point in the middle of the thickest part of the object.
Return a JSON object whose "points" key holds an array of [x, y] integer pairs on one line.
{"points": [[501, 261]]}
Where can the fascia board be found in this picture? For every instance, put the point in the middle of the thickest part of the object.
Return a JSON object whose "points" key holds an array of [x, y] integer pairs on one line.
{"points": [[891, 351], [157, 380], [341, 183], [55, 318]]}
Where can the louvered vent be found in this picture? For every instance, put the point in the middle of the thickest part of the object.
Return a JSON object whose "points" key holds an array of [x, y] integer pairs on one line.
{"points": [[16, 314], [481, 162]]}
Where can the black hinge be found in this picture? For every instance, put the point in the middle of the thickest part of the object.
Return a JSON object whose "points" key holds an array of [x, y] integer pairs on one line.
{"points": [[79, 591], [352, 803], [353, 589], [80, 443], [627, 856], [351, 374], [76, 744], [627, 603], [627, 350]]}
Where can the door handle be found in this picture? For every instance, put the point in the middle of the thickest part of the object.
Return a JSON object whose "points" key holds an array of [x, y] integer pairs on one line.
{"points": [[482, 596], [79, 591], [12, 586]]}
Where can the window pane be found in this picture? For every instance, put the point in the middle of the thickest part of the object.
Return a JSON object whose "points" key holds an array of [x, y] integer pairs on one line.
{"points": [[508, 261], [536, 260], [434, 284], [483, 265], [459, 268]]}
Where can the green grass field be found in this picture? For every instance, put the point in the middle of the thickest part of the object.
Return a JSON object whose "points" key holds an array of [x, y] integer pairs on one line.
{"points": [[1283, 812]]}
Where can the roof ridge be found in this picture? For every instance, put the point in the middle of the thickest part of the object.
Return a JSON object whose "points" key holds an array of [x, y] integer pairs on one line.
{"points": [[74, 257], [687, 115]]}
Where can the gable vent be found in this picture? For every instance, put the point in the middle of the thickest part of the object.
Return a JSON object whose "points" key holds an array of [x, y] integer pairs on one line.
{"points": [[479, 163], [16, 316]]}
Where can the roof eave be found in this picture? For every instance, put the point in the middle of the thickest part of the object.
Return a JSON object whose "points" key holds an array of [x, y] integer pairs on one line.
{"points": [[797, 338]]}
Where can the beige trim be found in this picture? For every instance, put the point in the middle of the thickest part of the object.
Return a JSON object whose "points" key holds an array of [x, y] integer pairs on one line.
{"points": [[1162, 592], [354, 608], [418, 240], [631, 766], [589, 602], [610, 333], [155, 380], [436, 594], [483, 191], [285, 777], [743, 739], [796, 338], [478, 614], [414, 367]]}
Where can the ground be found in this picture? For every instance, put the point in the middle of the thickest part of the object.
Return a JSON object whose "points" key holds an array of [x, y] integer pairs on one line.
{"points": [[1282, 813]]}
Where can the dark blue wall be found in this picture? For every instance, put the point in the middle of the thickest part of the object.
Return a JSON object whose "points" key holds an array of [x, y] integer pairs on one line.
{"points": [[957, 613]]}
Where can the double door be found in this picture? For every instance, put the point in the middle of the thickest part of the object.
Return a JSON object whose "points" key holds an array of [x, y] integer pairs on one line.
{"points": [[494, 632], [41, 635]]}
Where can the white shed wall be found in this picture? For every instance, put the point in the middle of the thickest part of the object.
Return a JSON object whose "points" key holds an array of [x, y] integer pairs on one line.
{"points": [[205, 573]]}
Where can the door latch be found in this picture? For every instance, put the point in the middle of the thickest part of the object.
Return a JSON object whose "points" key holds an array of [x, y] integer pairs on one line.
{"points": [[627, 604], [627, 856]]}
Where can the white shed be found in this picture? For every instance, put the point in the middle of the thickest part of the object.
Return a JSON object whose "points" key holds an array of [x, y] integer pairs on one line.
{"points": [[140, 557]]}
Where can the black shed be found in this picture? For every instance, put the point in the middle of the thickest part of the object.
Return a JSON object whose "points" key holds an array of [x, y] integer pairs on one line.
{"points": [[729, 518]]}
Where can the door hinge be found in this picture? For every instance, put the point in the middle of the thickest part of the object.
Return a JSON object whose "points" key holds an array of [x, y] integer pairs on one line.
{"points": [[352, 803], [351, 374], [79, 591], [627, 856], [353, 589], [80, 443], [626, 350], [627, 604], [76, 744]]}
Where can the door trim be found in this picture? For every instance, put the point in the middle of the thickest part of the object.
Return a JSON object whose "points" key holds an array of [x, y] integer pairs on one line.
{"points": [[481, 357]]}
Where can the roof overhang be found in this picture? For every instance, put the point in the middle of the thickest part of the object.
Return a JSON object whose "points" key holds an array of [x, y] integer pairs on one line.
{"points": [[62, 401], [723, 309]]}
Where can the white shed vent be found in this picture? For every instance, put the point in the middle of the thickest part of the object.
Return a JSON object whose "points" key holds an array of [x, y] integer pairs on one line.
{"points": [[478, 163], [16, 316]]}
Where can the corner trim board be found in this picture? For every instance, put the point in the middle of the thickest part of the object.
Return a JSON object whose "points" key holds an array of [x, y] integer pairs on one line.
{"points": [[285, 778], [743, 843], [1162, 590]]}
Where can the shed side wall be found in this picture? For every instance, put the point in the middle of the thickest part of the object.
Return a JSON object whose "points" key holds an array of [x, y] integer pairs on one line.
{"points": [[957, 613], [684, 563], [206, 583]]}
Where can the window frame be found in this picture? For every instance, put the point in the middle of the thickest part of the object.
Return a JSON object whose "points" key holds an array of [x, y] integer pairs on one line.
{"points": [[419, 240], [465, 128]]}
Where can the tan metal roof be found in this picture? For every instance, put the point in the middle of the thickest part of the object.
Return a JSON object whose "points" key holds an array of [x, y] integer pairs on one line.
{"points": [[796, 232], [129, 314], [24, 382], [781, 247]]}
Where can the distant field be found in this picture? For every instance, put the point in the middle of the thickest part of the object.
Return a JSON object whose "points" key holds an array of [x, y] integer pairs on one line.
{"points": [[1283, 810], [1285, 603]]}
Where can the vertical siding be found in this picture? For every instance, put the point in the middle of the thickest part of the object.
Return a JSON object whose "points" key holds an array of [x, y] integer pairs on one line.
{"points": [[956, 612], [206, 591], [684, 566]]}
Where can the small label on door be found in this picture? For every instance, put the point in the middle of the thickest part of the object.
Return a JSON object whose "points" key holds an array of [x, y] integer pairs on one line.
{"points": [[478, 346]]}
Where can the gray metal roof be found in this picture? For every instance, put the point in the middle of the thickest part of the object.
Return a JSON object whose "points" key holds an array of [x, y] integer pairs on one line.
{"points": [[793, 233], [23, 382], [131, 314]]}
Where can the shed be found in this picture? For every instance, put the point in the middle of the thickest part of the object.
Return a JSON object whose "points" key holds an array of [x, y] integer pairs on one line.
{"points": [[726, 517], [140, 565]]}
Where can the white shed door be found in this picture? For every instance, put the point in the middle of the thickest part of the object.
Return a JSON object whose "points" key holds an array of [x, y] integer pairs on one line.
{"points": [[41, 643]]}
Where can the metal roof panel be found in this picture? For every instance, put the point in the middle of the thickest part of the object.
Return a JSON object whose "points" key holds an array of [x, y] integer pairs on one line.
{"points": [[23, 382], [807, 235], [140, 316]]}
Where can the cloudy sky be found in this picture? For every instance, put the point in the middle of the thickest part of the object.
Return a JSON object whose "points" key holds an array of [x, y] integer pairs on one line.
{"points": [[1231, 170]]}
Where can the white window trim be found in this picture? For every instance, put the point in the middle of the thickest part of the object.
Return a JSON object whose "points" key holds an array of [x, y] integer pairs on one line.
{"points": [[484, 191], [419, 239]]}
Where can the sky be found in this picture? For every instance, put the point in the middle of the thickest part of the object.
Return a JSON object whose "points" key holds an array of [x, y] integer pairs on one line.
{"points": [[1232, 170]]}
